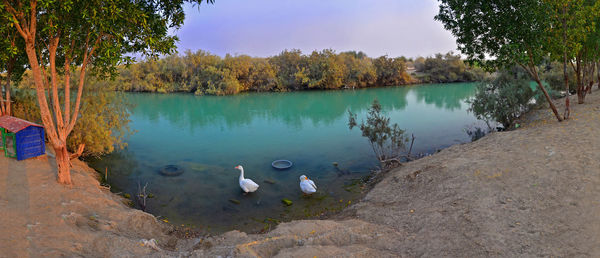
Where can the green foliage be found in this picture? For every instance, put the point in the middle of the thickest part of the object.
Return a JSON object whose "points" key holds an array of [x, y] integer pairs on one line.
{"points": [[502, 99], [388, 141], [497, 33]]}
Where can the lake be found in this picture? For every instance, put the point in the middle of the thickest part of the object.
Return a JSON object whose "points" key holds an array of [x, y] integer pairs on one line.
{"points": [[207, 136]]}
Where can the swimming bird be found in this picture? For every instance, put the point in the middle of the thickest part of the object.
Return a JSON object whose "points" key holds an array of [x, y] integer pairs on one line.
{"points": [[246, 184], [306, 185]]}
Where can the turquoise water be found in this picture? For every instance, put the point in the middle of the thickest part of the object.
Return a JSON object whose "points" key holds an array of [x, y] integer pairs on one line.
{"points": [[207, 136]]}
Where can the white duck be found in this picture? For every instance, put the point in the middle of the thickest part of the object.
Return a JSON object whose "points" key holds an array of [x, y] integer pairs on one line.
{"points": [[307, 186], [247, 185]]}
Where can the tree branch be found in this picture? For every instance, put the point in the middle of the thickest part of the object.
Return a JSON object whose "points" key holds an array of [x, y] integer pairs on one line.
{"points": [[68, 83], [53, 45], [79, 151], [24, 32], [86, 57]]}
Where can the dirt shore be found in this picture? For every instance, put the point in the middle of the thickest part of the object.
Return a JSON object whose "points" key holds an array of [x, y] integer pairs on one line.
{"points": [[534, 191]]}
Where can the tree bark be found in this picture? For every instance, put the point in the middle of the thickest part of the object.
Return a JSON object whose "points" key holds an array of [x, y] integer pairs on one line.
{"points": [[63, 162]]}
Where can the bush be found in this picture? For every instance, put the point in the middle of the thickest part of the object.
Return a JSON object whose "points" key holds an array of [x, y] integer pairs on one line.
{"points": [[388, 141], [502, 99]]}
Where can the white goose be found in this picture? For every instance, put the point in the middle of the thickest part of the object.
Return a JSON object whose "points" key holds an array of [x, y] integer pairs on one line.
{"points": [[307, 186], [246, 184]]}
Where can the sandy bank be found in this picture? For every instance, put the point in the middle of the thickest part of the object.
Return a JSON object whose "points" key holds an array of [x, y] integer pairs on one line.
{"points": [[42, 218], [530, 192]]}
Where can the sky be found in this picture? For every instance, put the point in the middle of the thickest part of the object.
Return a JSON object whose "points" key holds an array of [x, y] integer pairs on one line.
{"points": [[267, 27]]}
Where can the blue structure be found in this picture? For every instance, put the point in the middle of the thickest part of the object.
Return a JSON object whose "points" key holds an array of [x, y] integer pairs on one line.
{"points": [[27, 138]]}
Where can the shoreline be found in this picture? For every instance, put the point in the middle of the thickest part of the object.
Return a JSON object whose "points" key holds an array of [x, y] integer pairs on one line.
{"points": [[526, 192], [292, 91]]}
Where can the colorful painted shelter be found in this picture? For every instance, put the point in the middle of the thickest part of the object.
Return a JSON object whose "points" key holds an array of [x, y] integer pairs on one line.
{"points": [[21, 139]]}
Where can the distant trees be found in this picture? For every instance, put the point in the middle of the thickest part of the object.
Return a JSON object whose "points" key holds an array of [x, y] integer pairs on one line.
{"points": [[203, 73], [446, 68], [391, 71]]}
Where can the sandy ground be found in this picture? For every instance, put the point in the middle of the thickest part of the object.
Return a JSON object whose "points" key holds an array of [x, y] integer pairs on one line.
{"points": [[530, 192], [39, 217]]}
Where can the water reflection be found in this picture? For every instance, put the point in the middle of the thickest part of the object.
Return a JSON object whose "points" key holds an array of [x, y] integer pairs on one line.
{"points": [[319, 108]]}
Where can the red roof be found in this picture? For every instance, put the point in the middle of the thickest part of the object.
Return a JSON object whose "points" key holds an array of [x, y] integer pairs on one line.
{"points": [[14, 124]]}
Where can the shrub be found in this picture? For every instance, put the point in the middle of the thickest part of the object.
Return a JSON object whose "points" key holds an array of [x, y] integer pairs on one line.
{"points": [[502, 99], [388, 141]]}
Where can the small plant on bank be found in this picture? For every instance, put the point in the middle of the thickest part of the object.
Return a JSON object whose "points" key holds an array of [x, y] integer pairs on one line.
{"points": [[502, 99], [387, 141]]}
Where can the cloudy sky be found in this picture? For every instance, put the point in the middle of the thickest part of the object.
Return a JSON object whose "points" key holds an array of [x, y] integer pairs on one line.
{"points": [[266, 27]]}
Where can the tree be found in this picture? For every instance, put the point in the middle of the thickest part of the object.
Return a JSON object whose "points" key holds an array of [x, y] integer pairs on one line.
{"points": [[502, 99], [12, 64], [387, 140], [567, 26], [291, 68], [92, 36], [325, 70], [574, 37], [500, 33], [391, 71], [103, 123]]}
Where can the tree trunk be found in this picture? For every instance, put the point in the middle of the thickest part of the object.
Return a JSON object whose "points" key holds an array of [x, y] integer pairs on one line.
{"points": [[62, 155], [580, 89], [566, 76], [63, 162], [2, 108], [8, 75], [552, 106], [533, 72], [592, 70], [598, 73]]}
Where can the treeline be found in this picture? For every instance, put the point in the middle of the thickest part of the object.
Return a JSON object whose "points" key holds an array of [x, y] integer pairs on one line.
{"points": [[203, 73], [445, 68]]}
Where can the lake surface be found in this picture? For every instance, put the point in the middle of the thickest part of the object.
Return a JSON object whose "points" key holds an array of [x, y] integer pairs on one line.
{"points": [[207, 136]]}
